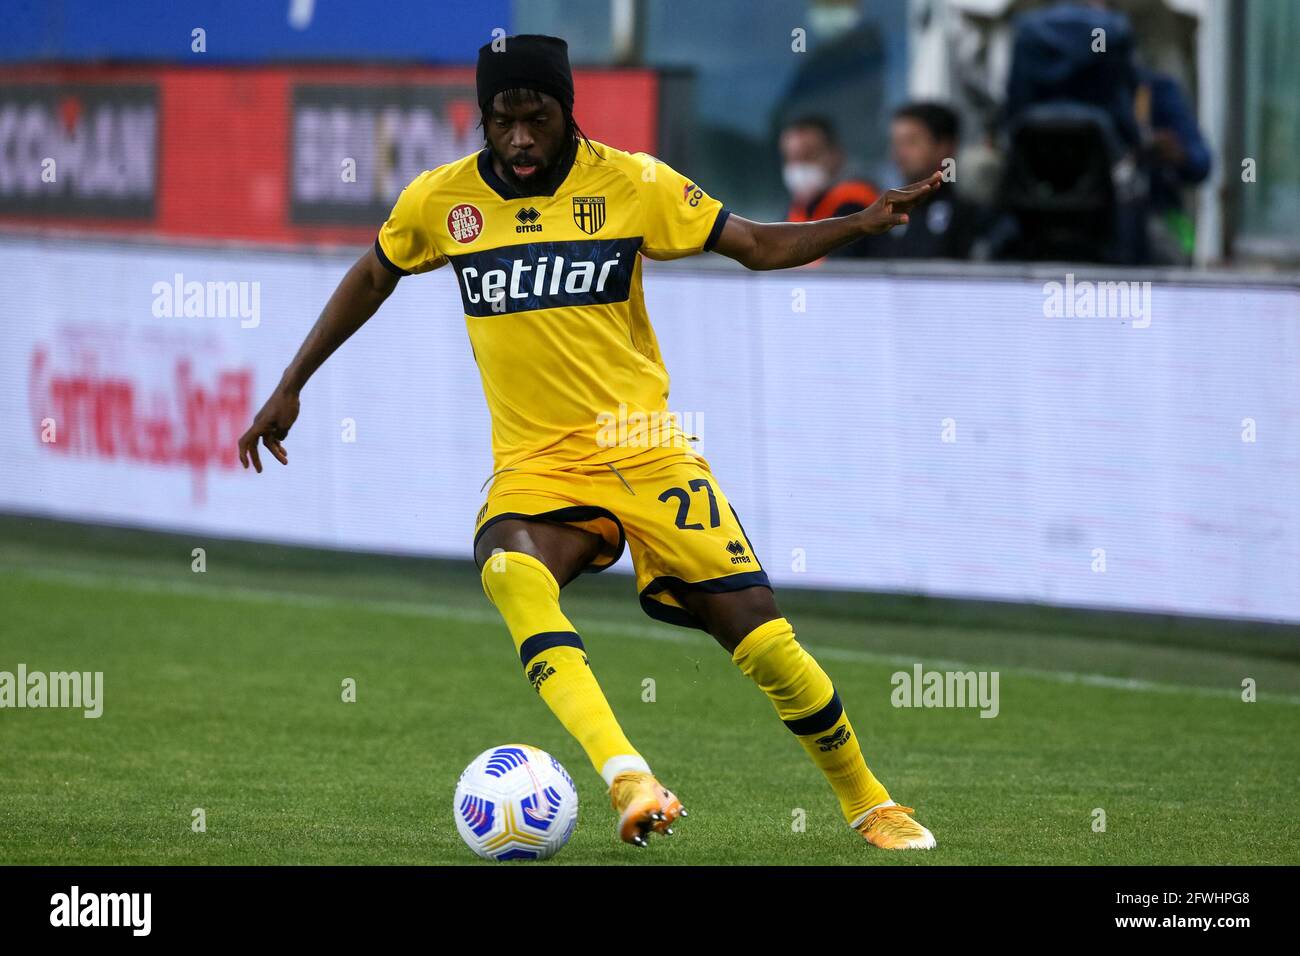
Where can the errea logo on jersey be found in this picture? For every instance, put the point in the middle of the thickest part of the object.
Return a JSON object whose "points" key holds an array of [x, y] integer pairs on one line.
{"points": [[546, 275], [527, 219], [464, 222]]}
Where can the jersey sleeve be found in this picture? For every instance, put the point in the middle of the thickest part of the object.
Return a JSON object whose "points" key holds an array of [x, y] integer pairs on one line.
{"points": [[406, 244], [680, 219]]}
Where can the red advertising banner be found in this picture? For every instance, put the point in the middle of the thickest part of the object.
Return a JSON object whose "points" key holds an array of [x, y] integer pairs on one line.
{"points": [[284, 155]]}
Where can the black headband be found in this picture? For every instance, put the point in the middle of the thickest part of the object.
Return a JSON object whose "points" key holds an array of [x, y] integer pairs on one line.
{"points": [[528, 62]]}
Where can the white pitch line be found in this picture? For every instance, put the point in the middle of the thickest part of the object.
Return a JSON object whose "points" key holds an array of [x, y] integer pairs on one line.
{"points": [[488, 616]]}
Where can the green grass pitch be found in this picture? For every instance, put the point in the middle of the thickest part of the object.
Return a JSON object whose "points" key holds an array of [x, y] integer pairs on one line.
{"points": [[222, 691]]}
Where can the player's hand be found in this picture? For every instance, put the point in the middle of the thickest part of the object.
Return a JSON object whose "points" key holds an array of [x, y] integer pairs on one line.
{"points": [[891, 208], [271, 426]]}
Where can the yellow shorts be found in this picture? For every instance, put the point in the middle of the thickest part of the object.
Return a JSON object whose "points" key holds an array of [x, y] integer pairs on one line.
{"points": [[666, 506]]}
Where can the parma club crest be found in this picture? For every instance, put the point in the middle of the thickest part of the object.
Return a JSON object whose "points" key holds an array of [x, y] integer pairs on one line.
{"points": [[589, 213]]}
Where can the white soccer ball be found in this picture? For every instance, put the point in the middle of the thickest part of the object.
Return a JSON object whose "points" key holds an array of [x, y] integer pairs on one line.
{"points": [[515, 802]]}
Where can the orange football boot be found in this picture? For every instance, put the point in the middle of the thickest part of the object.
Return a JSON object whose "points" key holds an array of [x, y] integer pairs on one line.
{"points": [[891, 827], [644, 806]]}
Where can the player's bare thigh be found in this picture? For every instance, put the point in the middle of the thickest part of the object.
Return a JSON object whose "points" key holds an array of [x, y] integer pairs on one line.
{"points": [[564, 549], [731, 615]]}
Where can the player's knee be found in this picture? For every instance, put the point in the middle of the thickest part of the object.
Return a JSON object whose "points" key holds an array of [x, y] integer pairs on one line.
{"points": [[500, 537], [731, 615], [760, 603], [485, 547]]}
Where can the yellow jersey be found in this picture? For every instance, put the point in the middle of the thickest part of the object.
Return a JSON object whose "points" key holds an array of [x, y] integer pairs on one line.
{"points": [[551, 288]]}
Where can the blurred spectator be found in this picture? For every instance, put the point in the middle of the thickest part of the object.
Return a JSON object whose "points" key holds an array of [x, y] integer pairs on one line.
{"points": [[1057, 58], [812, 166], [922, 136], [1072, 187], [1177, 157], [844, 71]]}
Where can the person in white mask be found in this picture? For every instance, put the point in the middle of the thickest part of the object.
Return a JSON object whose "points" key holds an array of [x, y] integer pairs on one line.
{"points": [[812, 166]]}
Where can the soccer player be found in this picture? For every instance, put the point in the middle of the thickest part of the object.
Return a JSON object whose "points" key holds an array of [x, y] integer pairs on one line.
{"points": [[544, 231]]}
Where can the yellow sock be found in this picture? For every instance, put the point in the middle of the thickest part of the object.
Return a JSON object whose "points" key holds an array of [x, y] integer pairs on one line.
{"points": [[555, 662], [806, 701]]}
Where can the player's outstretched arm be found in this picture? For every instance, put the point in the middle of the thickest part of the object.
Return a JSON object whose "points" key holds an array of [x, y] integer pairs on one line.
{"points": [[781, 245], [359, 295]]}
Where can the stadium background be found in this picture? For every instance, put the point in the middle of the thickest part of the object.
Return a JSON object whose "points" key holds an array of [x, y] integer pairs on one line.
{"points": [[1068, 434], [891, 432]]}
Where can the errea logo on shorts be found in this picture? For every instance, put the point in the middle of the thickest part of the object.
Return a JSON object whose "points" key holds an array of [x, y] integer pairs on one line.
{"points": [[465, 222]]}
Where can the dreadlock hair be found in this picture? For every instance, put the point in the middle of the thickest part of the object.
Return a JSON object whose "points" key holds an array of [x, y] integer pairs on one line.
{"points": [[518, 97]]}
